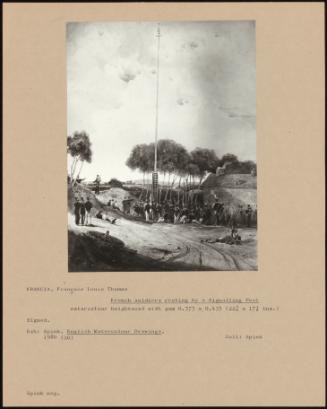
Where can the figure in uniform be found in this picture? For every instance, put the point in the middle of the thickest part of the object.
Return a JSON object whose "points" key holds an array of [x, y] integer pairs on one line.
{"points": [[77, 207], [97, 184], [248, 213], [88, 207], [82, 211]]}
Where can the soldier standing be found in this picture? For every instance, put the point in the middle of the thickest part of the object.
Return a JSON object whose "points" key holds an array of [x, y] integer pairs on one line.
{"points": [[77, 207], [255, 217], [97, 184], [147, 211], [82, 211], [222, 214], [216, 208], [242, 216], [232, 220], [248, 215], [88, 207], [176, 215]]}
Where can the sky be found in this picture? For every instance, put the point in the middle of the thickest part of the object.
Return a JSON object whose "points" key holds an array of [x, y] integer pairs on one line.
{"points": [[207, 95]]}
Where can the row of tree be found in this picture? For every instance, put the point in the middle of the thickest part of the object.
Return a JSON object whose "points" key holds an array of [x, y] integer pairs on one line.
{"points": [[174, 162], [181, 166]]}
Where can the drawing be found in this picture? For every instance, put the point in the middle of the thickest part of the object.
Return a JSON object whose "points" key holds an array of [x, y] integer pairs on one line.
{"points": [[161, 146]]}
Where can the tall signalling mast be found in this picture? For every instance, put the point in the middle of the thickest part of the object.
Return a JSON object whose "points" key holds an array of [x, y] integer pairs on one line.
{"points": [[155, 172]]}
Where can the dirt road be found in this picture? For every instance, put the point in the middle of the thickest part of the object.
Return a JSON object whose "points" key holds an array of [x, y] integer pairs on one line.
{"points": [[180, 243]]}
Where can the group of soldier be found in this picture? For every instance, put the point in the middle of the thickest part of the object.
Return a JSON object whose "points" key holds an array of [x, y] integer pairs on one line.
{"points": [[216, 213], [82, 211], [208, 214]]}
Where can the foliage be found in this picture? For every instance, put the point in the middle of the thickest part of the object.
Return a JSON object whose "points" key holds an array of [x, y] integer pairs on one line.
{"points": [[79, 148], [79, 145], [205, 159], [138, 158], [228, 158], [174, 159], [115, 183], [245, 167]]}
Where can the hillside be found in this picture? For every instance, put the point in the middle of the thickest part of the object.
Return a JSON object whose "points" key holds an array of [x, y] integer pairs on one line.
{"points": [[82, 191], [232, 181], [233, 190], [115, 193], [232, 197], [99, 202]]}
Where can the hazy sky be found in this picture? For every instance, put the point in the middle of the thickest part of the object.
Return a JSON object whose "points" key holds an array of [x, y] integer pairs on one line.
{"points": [[206, 92]]}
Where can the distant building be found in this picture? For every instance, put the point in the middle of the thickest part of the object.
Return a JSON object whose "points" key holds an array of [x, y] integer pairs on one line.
{"points": [[220, 170]]}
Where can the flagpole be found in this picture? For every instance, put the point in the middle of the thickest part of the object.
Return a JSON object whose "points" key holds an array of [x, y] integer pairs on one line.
{"points": [[157, 100], [155, 173]]}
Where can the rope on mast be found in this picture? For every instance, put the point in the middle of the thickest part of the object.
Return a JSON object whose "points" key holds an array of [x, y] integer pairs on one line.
{"points": [[155, 173], [157, 99]]}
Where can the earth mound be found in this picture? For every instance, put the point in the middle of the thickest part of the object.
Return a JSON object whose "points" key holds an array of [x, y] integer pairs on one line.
{"points": [[231, 181]]}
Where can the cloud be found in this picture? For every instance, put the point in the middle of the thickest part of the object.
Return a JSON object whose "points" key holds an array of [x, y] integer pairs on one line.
{"points": [[182, 101], [234, 113], [243, 116], [127, 76], [237, 115], [101, 62], [192, 45], [128, 69]]}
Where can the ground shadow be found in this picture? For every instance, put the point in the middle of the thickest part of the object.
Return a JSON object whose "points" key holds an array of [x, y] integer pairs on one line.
{"points": [[94, 252]]}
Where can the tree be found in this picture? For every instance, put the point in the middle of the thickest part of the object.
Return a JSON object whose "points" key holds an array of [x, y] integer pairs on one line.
{"points": [[205, 159], [166, 156], [115, 183], [183, 163], [193, 171], [138, 159], [79, 148], [233, 165], [172, 157], [246, 167], [228, 157]]}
